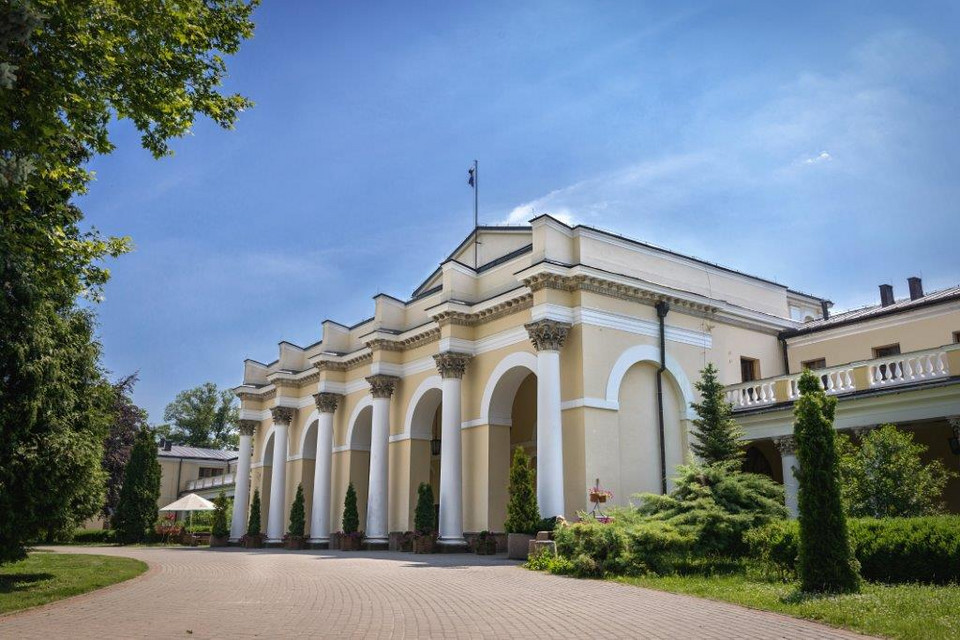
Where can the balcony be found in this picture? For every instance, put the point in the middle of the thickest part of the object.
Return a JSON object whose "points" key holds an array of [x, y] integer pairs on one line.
{"points": [[904, 370], [210, 483]]}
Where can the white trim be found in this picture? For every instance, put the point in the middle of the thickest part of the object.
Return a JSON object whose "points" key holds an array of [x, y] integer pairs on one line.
{"points": [[873, 324], [306, 428], [256, 465], [400, 437], [499, 340], [430, 384], [598, 318], [266, 439], [367, 401], [253, 414], [649, 353], [590, 403], [517, 359], [343, 448]]}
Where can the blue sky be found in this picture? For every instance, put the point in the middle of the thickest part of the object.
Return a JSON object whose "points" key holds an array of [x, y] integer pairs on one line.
{"points": [[812, 143]]}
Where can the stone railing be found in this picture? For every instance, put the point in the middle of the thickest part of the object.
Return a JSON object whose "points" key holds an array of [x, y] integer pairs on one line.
{"points": [[903, 369], [211, 482]]}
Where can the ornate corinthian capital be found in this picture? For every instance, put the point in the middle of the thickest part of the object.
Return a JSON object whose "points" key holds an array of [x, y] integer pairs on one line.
{"points": [[282, 415], [547, 335], [327, 402], [786, 444], [382, 386], [452, 364], [247, 427]]}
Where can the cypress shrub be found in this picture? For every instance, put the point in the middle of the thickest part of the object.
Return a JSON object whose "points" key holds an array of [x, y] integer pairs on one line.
{"points": [[253, 522], [826, 562], [523, 513], [351, 518], [297, 517], [425, 517], [220, 528], [717, 437], [137, 505]]}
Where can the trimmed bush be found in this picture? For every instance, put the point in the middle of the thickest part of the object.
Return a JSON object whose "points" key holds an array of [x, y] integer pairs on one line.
{"points": [[94, 536], [297, 516], [523, 513], [351, 517], [220, 528], [595, 549], [891, 550], [253, 522], [425, 517]]}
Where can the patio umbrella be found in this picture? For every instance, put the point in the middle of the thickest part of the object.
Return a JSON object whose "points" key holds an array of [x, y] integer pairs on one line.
{"points": [[190, 502]]}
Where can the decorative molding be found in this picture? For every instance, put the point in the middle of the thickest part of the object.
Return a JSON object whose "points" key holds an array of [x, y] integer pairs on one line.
{"points": [[786, 445], [547, 335], [282, 415], [590, 403], [383, 344], [382, 386], [327, 402], [451, 364], [247, 427]]}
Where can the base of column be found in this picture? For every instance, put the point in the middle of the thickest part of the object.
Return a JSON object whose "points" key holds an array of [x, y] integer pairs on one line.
{"points": [[453, 545], [273, 543], [318, 543], [375, 544]]}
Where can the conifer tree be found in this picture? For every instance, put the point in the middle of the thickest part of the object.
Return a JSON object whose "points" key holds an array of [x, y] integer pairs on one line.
{"points": [[253, 522], [717, 436], [220, 529], [297, 518], [523, 513], [351, 517], [425, 517], [137, 507], [826, 562]]}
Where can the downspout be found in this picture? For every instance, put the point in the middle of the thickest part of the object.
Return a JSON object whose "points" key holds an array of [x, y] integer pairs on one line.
{"points": [[786, 356], [662, 308]]}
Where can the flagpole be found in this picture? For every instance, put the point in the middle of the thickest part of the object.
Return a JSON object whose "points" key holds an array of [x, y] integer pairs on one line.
{"points": [[476, 216]]}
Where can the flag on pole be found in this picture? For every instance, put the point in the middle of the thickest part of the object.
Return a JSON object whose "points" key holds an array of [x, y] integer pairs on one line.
{"points": [[471, 180]]}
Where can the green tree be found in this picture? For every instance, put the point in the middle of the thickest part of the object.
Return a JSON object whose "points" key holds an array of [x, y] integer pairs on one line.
{"points": [[826, 561], [297, 517], [127, 420], [523, 513], [425, 516], [717, 436], [351, 518], [886, 476], [203, 417], [253, 522], [137, 508], [67, 68], [220, 528]]}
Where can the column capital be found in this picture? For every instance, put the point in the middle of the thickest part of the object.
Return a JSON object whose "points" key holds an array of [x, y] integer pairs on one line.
{"points": [[282, 415], [327, 402], [247, 427], [451, 364], [787, 445], [382, 386], [547, 335]]}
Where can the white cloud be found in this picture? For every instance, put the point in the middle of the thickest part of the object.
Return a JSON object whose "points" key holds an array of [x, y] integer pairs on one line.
{"points": [[822, 157]]}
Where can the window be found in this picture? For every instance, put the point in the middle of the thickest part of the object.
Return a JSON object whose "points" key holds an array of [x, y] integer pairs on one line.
{"points": [[210, 472], [956, 336], [819, 363], [749, 369], [886, 351]]}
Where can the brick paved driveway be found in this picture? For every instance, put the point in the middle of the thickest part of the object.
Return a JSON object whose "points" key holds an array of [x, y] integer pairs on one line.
{"points": [[232, 593]]}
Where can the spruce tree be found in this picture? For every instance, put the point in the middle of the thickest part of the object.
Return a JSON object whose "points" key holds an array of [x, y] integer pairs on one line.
{"points": [[351, 517], [253, 522], [137, 507], [523, 513], [826, 561], [297, 523], [220, 528], [717, 436], [425, 517]]}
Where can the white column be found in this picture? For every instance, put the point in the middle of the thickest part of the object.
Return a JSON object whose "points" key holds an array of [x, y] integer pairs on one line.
{"points": [[241, 492], [320, 513], [381, 387], [791, 485], [452, 367], [547, 337], [282, 416]]}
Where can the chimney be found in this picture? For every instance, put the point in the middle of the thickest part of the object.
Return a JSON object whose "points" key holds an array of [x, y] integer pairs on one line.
{"points": [[825, 309], [886, 295], [163, 441], [916, 287], [168, 445]]}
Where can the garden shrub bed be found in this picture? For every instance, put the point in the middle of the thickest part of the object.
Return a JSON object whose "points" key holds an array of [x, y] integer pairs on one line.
{"points": [[890, 550], [94, 536]]}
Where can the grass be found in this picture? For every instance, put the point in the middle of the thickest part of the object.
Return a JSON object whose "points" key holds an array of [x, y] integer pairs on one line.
{"points": [[45, 577], [897, 611]]}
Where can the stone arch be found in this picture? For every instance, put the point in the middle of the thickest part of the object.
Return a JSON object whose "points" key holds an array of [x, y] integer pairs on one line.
{"points": [[649, 353], [359, 425], [502, 385], [421, 409], [308, 439]]}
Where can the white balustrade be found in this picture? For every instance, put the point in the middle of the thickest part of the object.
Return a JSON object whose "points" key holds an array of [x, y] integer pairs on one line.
{"points": [[212, 481], [909, 367], [751, 394]]}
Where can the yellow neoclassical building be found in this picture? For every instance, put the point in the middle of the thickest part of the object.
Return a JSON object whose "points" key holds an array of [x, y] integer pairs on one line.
{"points": [[581, 346]]}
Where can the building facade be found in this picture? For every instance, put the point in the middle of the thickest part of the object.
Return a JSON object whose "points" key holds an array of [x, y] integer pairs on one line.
{"points": [[204, 472], [581, 346]]}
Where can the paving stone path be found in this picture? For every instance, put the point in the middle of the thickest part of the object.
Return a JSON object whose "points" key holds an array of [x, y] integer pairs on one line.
{"points": [[231, 593]]}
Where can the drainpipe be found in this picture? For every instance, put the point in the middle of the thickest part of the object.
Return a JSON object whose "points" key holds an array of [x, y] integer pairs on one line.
{"points": [[786, 356], [662, 308]]}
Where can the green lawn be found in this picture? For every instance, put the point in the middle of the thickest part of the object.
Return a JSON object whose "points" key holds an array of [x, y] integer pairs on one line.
{"points": [[896, 611], [45, 577]]}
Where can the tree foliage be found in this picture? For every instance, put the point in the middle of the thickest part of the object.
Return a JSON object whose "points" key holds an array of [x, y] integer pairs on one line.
{"points": [[826, 562], [137, 507], [253, 522], [220, 528], [203, 417], [297, 517], [885, 476], [717, 436], [523, 512], [127, 420], [425, 516], [351, 517]]}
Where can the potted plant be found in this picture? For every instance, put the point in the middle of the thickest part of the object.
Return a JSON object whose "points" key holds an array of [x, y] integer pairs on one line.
{"points": [[351, 537], [294, 539], [486, 544], [253, 539], [424, 521], [523, 514], [220, 532]]}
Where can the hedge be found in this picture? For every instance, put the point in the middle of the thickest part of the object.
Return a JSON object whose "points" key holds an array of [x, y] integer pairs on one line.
{"points": [[891, 550], [596, 549], [94, 536]]}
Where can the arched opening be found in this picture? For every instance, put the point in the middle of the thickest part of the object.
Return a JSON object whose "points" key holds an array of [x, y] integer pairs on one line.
{"points": [[424, 451], [308, 455], [755, 461], [266, 476], [359, 438]]}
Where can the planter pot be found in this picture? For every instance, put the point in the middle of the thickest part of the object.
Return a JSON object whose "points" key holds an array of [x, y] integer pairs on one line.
{"points": [[219, 541], [294, 543], [424, 545], [350, 543], [252, 542], [486, 547], [598, 497], [518, 545]]}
